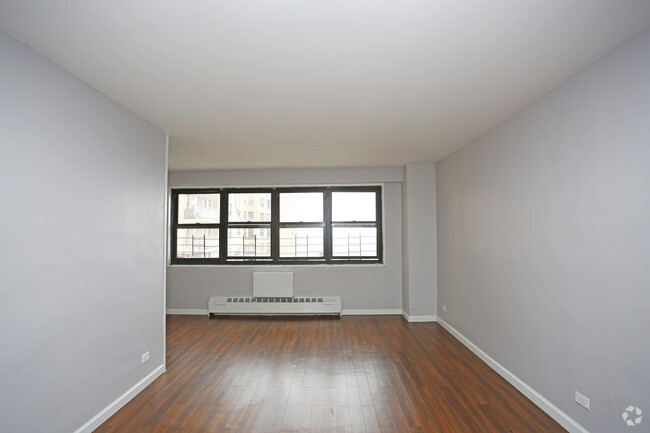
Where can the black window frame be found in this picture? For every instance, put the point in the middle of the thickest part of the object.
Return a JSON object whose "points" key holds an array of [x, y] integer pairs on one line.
{"points": [[275, 225]]}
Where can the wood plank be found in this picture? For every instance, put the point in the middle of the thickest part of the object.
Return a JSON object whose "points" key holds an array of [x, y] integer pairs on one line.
{"points": [[363, 374]]}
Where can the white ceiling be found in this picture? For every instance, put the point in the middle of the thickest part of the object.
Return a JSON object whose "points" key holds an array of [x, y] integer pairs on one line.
{"points": [[322, 83]]}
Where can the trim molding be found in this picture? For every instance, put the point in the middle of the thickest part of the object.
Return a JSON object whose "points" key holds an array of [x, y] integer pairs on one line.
{"points": [[109, 410], [414, 319], [188, 311], [383, 312], [553, 411], [166, 234], [204, 312]]}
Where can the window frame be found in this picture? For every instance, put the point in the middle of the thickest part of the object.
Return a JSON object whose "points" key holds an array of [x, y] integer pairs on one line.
{"points": [[275, 225], [300, 224]]}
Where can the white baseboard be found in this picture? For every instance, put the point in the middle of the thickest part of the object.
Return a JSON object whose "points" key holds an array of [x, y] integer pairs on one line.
{"points": [[204, 312], [371, 312], [413, 319], [553, 411], [188, 311], [109, 410]]}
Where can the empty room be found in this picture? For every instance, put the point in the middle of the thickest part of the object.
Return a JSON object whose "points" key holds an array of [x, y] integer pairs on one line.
{"points": [[325, 216]]}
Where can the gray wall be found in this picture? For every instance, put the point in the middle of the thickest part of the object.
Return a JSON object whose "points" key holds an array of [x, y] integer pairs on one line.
{"points": [[362, 287], [544, 245], [82, 257], [419, 278]]}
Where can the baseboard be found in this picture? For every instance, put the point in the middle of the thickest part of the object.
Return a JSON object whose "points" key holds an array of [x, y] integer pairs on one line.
{"points": [[188, 311], [109, 410], [553, 411], [414, 319], [204, 312], [370, 312]]}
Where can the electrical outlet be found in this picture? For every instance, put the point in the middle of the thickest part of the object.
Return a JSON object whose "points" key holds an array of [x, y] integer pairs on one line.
{"points": [[582, 400], [444, 308], [145, 357]]}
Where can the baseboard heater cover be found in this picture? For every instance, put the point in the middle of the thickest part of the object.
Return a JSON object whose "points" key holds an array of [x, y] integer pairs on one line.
{"points": [[273, 295], [260, 306]]}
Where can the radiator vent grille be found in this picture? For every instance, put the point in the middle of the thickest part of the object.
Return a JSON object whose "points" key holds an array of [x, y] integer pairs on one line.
{"points": [[275, 300], [265, 305]]}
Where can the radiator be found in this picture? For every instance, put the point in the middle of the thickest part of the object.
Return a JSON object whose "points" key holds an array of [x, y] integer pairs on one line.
{"points": [[273, 294]]}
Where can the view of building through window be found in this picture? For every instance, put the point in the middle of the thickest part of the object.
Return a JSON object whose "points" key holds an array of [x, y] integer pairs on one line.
{"points": [[349, 236], [299, 238], [249, 241], [198, 209], [350, 222]]}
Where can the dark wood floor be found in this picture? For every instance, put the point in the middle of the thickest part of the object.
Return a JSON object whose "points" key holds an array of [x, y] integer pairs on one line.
{"points": [[354, 374]]}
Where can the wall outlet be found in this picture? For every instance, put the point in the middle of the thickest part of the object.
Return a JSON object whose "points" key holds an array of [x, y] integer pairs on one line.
{"points": [[582, 400], [145, 357], [444, 308]]}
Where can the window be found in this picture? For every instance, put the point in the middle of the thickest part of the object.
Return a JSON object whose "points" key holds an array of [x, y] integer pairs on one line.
{"points": [[302, 225], [197, 228], [327, 225]]}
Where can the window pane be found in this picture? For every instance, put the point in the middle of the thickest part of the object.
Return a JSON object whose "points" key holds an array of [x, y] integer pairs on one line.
{"points": [[354, 241], [301, 242], [198, 208], [353, 206], [249, 207], [249, 242], [197, 243], [301, 207]]}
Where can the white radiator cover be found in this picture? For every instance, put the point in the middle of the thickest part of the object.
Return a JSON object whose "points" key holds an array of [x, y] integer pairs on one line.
{"points": [[232, 305], [273, 294], [273, 284]]}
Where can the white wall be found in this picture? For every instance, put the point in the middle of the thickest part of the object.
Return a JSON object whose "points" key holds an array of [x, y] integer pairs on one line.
{"points": [[362, 287], [82, 256], [544, 240], [419, 279]]}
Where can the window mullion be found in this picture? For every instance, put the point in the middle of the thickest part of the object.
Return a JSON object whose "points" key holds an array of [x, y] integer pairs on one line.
{"points": [[223, 227], [174, 219], [327, 219], [275, 225], [379, 225]]}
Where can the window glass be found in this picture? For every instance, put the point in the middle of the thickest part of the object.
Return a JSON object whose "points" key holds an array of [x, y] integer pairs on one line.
{"points": [[353, 206], [354, 241], [243, 207], [249, 242], [198, 208], [301, 242], [301, 207], [197, 243]]}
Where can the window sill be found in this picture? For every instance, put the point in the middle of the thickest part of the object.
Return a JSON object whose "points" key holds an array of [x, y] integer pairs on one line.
{"points": [[268, 266]]}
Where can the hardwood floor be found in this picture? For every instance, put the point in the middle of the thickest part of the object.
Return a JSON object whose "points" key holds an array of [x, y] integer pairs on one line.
{"points": [[354, 374]]}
